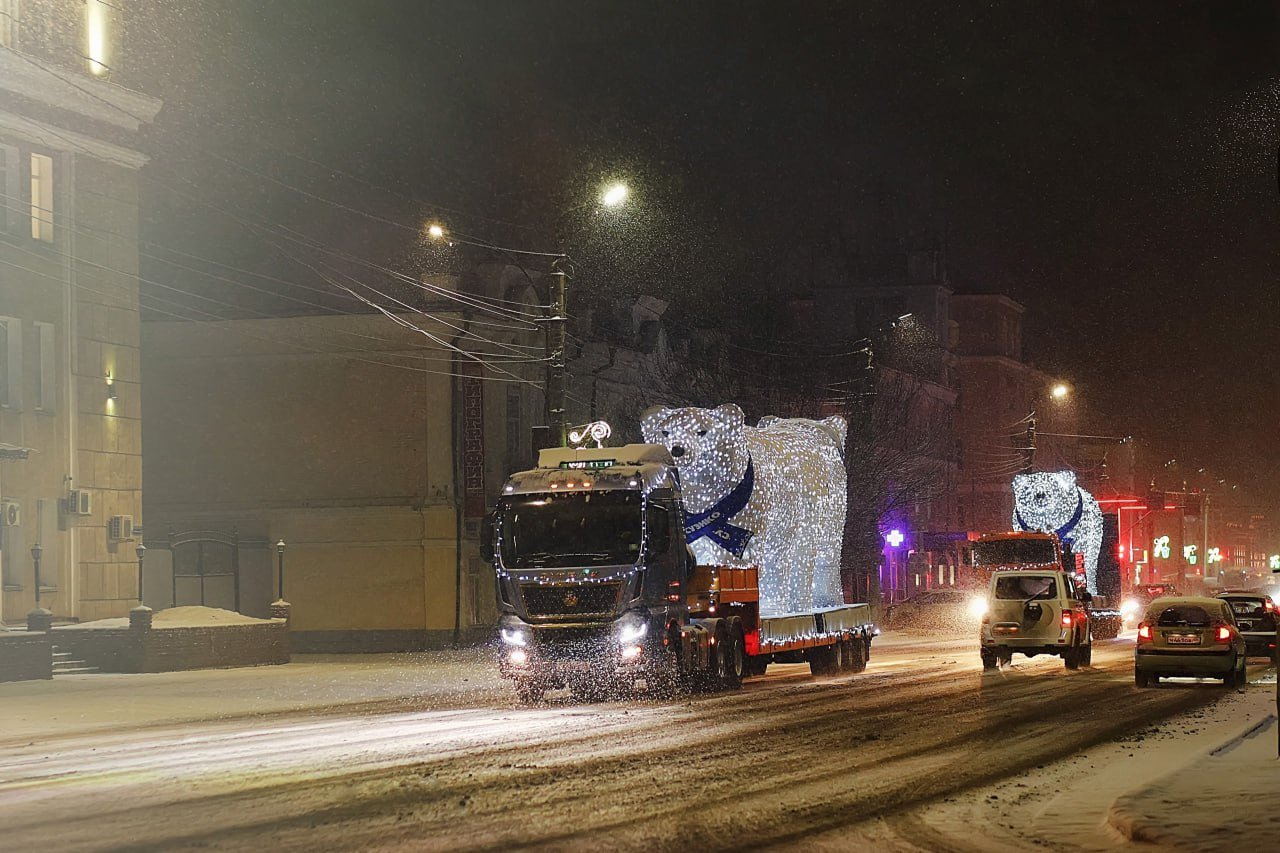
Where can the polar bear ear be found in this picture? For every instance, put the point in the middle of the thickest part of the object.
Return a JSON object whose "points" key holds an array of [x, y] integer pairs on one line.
{"points": [[650, 421], [730, 414], [1067, 479]]}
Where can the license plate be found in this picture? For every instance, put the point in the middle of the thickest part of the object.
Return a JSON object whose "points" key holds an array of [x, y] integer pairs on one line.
{"points": [[1184, 639]]}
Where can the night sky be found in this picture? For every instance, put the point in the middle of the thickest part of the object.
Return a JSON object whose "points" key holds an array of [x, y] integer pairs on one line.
{"points": [[1110, 165]]}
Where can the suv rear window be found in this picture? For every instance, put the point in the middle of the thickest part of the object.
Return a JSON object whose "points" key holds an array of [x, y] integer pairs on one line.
{"points": [[1022, 587], [1184, 614], [1247, 606]]}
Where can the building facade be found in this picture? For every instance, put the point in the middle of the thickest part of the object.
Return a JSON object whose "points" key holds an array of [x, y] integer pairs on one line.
{"points": [[70, 376], [366, 448]]}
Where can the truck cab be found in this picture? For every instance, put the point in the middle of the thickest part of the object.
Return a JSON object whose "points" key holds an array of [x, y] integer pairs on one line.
{"points": [[591, 566]]}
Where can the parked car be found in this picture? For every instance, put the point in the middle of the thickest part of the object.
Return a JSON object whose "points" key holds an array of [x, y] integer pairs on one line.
{"points": [[1256, 617], [941, 609], [1189, 636]]}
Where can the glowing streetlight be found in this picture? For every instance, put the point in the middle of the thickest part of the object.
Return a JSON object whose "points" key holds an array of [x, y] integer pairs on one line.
{"points": [[435, 231], [1059, 391], [614, 195]]}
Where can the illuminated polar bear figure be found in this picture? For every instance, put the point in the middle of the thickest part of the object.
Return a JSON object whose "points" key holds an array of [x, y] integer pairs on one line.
{"points": [[771, 496], [1051, 502]]}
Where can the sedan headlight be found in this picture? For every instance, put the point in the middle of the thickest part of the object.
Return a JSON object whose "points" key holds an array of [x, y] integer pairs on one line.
{"points": [[631, 629]]}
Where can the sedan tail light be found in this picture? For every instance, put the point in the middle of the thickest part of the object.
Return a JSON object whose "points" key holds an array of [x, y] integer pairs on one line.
{"points": [[1223, 635], [1144, 633]]}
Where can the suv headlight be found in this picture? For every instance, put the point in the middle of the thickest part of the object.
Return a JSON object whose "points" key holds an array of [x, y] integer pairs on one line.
{"points": [[977, 607], [631, 628]]}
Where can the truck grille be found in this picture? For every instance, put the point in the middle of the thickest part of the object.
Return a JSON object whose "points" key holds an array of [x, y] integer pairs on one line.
{"points": [[580, 599]]}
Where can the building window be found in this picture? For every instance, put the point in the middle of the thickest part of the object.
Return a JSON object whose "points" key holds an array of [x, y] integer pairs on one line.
{"points": [[11, 362], [46, 362], [42, 198], [11, 201], [8, 23]]}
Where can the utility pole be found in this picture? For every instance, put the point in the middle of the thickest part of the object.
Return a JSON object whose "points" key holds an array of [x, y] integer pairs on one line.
{"points": [[555, 352], [1030, 449]]}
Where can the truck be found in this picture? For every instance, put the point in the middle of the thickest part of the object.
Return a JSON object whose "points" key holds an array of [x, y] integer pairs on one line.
{"points": [[1028, 550], [599, 592]]}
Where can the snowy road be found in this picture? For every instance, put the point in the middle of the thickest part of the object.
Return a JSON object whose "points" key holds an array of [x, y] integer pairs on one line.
{"points": [[785, 759]]}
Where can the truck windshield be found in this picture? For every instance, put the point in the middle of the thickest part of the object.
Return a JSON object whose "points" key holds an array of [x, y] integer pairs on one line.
{"points": [[1010, 552], [565, 530]]}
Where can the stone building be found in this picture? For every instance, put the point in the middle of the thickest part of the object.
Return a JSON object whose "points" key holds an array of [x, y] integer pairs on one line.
{"points": [[357, 441], [70, 407]]}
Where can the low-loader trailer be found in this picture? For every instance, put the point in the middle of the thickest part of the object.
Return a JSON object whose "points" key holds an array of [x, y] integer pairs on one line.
{"points": [[598, 592]]}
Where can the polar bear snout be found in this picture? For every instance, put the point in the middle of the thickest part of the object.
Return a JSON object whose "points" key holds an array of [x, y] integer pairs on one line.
{"points": [[677, 450]]}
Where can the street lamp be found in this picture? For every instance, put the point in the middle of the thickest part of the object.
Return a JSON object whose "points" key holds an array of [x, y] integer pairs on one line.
{"points": [[141, 551], [614, 194], [1060, 391], [554, 347], [36, 551], [280, 579]]}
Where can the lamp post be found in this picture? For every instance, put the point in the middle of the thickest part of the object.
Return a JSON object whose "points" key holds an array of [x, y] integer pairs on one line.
{"points": [[141, 551], [36, 552], [280, 570]]}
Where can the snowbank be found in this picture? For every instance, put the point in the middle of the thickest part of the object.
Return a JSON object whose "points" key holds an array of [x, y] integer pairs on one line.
{"points": [[1221, 800], [177, 617]]}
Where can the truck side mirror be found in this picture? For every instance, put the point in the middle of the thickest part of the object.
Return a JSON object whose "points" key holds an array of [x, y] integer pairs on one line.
{"points": [[486, 537]]}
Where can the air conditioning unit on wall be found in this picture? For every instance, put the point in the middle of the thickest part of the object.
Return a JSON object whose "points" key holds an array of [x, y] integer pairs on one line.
{"points": [[120, 528], [79, 502], [10, 513]]}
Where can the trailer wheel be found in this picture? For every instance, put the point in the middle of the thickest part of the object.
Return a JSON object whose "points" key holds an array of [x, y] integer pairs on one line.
{"points": [[821, 660], [738, 662], [840, 656], [858, 655], [728, 658]]}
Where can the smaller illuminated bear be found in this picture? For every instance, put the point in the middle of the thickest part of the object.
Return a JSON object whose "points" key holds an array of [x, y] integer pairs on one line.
{"points": [[771, 496], [1051, 502]]}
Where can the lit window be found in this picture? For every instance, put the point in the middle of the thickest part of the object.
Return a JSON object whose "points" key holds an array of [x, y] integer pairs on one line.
{"points": [[42, 198], [8, 23], [95, 29]]}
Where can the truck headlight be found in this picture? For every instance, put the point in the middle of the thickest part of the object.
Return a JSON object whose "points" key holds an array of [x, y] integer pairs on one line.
{"points": [[631, 629], [514, 637]]}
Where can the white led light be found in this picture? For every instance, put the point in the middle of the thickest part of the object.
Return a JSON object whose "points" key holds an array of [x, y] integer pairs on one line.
{"points": [[792, 522], [1051, 502], [513, 638]]}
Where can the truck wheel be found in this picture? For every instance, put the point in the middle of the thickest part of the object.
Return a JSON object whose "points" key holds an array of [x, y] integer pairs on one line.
{"points": [[988, 660], [840, 657], [1071, 657], [1087, 657], [529, 692]]}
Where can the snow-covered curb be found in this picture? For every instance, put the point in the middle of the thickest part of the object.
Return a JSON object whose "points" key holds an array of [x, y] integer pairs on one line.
{"points": [[1215, 800]]}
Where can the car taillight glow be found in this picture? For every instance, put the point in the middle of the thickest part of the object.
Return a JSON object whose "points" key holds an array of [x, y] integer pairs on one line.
{"points": [[1224, 634], [1066, 619], [1144, 633]]}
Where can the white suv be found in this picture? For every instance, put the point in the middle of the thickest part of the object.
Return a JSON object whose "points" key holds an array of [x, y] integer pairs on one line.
{"points": [[1035, 613]]}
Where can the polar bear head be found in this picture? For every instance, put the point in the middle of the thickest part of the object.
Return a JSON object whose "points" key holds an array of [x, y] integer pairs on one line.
{"points": [[1046, 500], [701, 441]]}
